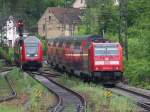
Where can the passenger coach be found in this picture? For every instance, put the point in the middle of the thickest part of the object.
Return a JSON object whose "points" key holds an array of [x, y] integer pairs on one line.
{"points": [[90, 57], [28, 52]]}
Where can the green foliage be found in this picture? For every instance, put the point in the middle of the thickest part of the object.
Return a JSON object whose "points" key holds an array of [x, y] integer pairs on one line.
{"points": [[137, 71], [44, 47], [44, 44], [11, 54], [137, 68], [29, 10], [10, 109], [101, 15], [1, 51], [137, 9], [7, 53]]}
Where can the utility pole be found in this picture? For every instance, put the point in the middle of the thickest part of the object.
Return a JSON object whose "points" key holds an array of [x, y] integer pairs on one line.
{"points": [[123, 33], [46, 27], [57, 3], [0, 34], [66, 4], [101, 18]]}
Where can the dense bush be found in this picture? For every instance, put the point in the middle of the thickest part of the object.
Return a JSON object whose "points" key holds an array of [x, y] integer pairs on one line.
{"points": [[8, 54], [137, 71], [44, 43]]}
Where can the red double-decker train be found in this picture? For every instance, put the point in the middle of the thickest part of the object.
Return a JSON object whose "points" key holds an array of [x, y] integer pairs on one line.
{"points": [[28, 52], [91, 57]]}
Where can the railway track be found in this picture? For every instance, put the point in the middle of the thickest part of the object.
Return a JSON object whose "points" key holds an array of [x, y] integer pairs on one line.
{"points": [[140, 97], [12, 93], [67, 100], [5, 69]]}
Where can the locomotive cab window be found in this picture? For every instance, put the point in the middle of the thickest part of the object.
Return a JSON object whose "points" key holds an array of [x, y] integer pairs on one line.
{"points": [[100, 51], [112, 51], [32, 50], [106, 50]]}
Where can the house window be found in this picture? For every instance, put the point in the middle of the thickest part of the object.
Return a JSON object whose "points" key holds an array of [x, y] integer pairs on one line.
{"points": [[49, 18], [10, 43], [43, 27], [81, 1]]}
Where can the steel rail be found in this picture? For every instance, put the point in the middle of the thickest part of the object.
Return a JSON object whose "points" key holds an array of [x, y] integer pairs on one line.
{"points": [[143, 104], [134, 92], [81, 108], [13, 92], [5, 69], [59, 107], [146, 106]]}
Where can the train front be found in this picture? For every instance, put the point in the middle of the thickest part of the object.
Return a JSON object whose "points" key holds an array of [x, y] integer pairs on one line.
{"points": [[33, 53], [107, 61]]}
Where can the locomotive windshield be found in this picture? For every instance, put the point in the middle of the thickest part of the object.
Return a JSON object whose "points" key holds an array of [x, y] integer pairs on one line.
{"points": [[106, 50], [32, 49]]}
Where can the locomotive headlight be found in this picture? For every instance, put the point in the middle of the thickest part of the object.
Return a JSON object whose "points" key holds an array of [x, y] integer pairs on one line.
{"points": [[116, 68], [35, 55], [28, 55]]}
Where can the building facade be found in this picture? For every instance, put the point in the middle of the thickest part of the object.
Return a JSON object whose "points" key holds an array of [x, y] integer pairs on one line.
{"points": [[9, 32], [79, 4], [58, 21]]}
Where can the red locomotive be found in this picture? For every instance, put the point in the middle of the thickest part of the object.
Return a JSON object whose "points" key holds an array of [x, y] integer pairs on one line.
{"points": [[90, 57], [28, 52]]}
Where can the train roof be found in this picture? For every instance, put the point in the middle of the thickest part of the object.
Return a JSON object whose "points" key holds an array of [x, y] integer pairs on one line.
{"points": [[77, 38], [31, 39], [28, 39]]}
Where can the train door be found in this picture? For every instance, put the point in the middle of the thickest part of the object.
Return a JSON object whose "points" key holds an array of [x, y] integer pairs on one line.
{"points": [[77, 55], [85, 58]]}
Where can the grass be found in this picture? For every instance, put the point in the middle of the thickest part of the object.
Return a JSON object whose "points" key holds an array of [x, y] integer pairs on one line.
{"points": [[28, 91], [4, 88], [8, 53], [4, 108], [1, 65], [98, 98]]}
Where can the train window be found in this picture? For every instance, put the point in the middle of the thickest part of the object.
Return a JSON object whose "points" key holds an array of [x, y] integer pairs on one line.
{"points": [[60, 44], [106, 50], [31, 39], [77, 45], [87, 45], [112, 51], [100, 51], [51, 43], [32, 49], [48, 44]]}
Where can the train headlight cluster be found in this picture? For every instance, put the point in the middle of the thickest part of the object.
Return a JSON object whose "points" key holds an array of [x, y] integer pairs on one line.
{"points": [[32, 55], [28, 55], [35, 55], [117, 68]]}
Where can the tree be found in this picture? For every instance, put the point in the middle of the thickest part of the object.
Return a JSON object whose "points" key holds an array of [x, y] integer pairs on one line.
{"points": [[101, 16]]}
